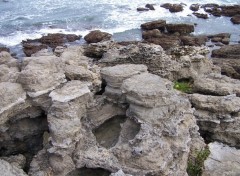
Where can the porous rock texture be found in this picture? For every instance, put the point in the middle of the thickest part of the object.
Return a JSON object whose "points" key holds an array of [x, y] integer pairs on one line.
{"points": [[118, 114], [218, 117], [181, 62]]}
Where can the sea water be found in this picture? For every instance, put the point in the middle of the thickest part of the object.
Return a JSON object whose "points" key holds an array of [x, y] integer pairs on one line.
{"points": [[28, 19]]}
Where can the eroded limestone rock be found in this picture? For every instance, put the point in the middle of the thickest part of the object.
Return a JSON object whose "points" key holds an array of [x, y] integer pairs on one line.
{"points": [[40, 75]]}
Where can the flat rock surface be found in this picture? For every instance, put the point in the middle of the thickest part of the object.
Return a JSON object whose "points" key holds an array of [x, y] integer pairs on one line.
{"points": [[223, 160]]}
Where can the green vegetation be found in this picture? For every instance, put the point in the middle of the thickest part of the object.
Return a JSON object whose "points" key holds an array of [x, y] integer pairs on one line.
{"points": [[183, 86], [195, 164]]}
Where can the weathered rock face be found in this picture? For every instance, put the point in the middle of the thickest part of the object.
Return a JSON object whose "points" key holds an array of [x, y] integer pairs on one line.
{"points": [[229, 67], [97, 36], [151, 34], [223, 160], [193, 40], [13, 100], [8, 74], [184, 62], [16, 160], [40, 75], [216, 84], [6, 169], [135, 150], [114, 77], [218, 117]]}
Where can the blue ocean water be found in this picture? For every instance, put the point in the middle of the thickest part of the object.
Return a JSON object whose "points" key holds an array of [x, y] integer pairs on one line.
{"points": [[28, 19]]}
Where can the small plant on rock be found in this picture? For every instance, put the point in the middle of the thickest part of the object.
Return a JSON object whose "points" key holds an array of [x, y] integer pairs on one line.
{"points": [[196, 163], [183, 86]]}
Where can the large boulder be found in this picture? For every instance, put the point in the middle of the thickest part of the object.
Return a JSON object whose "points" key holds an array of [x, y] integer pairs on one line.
{"points": [[194, 7], [97, 36], [180, 28], [159, 24]]}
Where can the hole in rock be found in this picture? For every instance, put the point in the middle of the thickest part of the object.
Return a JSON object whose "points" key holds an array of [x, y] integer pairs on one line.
{"points": [[130, 129], [103, 86], [23, 136], [108, 133], [89, 172]]}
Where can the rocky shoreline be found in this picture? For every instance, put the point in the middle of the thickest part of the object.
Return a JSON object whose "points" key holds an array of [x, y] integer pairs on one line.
{"points": [[117, 108]]}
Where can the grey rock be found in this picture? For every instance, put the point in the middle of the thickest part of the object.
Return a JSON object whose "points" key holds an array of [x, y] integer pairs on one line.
{"points": [[40, 75], [16, 160], [223, 160], [7, 169]]}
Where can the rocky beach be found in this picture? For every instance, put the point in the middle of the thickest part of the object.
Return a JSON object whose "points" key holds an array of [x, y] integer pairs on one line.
{"points": [[165, 104]]}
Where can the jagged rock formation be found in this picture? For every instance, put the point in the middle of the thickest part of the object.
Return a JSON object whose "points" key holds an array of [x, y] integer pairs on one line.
{"points": [[183, 62], [115, 115]]}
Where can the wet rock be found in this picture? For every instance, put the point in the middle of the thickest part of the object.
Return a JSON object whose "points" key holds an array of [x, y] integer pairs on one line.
{"points": [[201, 15], [180, 28], [235, 19], [142, 9], [4, 49], [150, 6], [6, 169], [173, 8], [193, 40], [194, 7], [223, 160], [54, 40], [228, 51], [231, 10], [159, 24], [40, 75], [151, 34], [165, 41], [30, 48], [229, 67], [216, 84], [213, 9], [97, 36]]}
